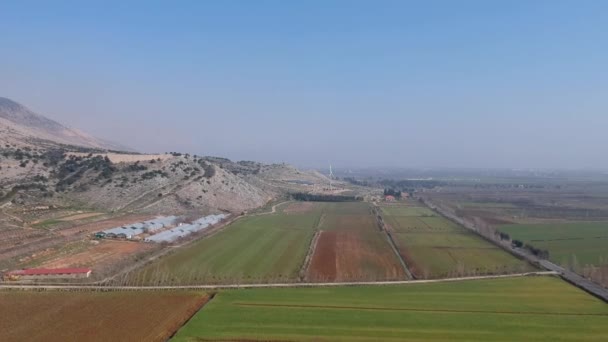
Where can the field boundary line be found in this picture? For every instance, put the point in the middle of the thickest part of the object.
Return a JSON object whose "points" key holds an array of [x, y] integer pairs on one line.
{"points": [[311, 252], [571, 277], [270, 285], [380, 220], [209, 299], [313, 246], [379, 308]]}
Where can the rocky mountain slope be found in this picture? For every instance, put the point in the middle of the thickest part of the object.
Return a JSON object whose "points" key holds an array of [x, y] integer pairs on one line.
{"points": [[45, 164], [21, 127], [159, 184]]}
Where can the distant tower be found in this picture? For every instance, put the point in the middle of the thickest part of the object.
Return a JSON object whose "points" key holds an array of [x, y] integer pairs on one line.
{"points": [[331, 177]]}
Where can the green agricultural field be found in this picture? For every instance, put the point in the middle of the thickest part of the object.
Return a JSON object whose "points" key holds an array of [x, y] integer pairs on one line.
{"points": [[46, 223], [346, 215], [510, 309], [584, 242], [499, 205], [259, 248], [434, 247], [402, 210]]}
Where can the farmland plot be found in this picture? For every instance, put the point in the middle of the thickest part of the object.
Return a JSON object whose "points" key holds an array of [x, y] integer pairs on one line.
{"points": [[515, 309], [584, 242], [434, 247], [350, 247], [95, 316], [264, 248]]}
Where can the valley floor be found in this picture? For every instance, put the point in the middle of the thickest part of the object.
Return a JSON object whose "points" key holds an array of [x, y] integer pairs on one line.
{"points": [[531, 308]]}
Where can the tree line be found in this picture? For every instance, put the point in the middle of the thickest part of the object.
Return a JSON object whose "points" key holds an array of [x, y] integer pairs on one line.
{"points": [[300, 196]]}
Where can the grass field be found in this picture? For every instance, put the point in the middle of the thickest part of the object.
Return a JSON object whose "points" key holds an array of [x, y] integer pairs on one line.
{"points": [[95, 316], [499, 205], [260, 248], [514, 309], [434, 247], [351, 247], [273, 248], [588, 241]]}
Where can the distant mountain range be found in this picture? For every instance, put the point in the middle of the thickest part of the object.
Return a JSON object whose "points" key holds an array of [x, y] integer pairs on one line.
{"points": [[21, 127]]}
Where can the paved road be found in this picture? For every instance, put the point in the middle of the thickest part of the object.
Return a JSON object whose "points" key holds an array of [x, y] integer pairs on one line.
{"points": [[577, 280], [571, 277], [277, 285]]}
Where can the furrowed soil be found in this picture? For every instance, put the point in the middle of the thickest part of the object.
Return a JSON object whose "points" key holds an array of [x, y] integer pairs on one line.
{"points": [[509, 309], [102, 255], [324, 261], [352, 248], [95, 316], [78, 216]]}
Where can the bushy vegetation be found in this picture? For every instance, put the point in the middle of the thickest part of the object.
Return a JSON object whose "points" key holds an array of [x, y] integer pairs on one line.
{"points": [[154, 174], [355, 181], [75, 167], [409, 185], [136, 167], [392, 192], [300, 196], [504, 236], [209, 170]]}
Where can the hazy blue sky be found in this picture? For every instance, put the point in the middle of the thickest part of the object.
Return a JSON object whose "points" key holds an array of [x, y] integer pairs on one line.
{"points": [[370, 83]]}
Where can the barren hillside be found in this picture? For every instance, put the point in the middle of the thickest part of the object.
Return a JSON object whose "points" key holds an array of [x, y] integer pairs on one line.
{"points": [[21, 127], [46, 163]]}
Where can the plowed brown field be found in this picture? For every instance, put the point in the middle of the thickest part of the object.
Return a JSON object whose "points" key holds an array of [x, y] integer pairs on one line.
{"points": [[323, 264], [351, 248], [95, 316], [102, 255], [349, 256]]}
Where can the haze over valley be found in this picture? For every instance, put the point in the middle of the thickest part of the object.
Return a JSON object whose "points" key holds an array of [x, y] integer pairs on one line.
{"points": [[316, 171]]}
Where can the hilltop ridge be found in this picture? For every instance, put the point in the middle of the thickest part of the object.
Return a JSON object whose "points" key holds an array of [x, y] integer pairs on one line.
{"points": [[22, 127]]}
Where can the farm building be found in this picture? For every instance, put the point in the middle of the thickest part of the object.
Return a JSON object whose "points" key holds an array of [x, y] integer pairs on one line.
{"points": [[48, 273], [211, 219], [127, 232], [159, 223], [168, 235], [185, 230], [130, 231]]}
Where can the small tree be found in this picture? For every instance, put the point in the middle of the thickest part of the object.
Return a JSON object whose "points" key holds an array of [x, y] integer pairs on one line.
{"points": [[517, 243]]}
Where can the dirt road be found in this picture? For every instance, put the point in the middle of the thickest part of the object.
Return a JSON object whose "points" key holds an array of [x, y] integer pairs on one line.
{"points": [[277, 285], [272, 211]]}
